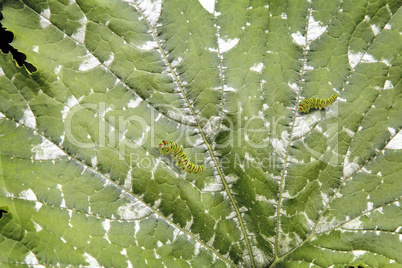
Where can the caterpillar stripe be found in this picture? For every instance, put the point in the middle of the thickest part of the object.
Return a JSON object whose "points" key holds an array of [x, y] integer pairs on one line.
{"points": [[306, 104], [179, 156]]}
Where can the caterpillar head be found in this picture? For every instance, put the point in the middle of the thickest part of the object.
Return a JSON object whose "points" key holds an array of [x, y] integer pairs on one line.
{"points": [[162, 144], [304, 107], [162, 147]]}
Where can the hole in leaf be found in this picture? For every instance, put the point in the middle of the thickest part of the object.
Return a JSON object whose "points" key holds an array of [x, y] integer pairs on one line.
{"points": [[6, 38], [3, 210]]}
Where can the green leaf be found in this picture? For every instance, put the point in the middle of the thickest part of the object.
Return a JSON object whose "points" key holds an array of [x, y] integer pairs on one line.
{"points": [[82, 182]]}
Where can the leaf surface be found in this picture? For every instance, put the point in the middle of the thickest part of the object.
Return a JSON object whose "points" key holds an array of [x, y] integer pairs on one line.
{"points": [[83, 183]]}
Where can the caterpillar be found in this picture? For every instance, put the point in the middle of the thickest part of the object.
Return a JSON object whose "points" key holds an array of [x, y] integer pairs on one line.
{"points": [[316, 103], [179, 156]]}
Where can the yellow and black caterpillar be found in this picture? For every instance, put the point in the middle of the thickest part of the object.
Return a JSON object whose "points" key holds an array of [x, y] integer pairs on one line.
{"points": [[179, 156], [316, 103]]}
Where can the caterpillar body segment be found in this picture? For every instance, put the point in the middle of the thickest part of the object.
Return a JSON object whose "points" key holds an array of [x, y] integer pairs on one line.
{"points": [[306, 104], [179, 156]]}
